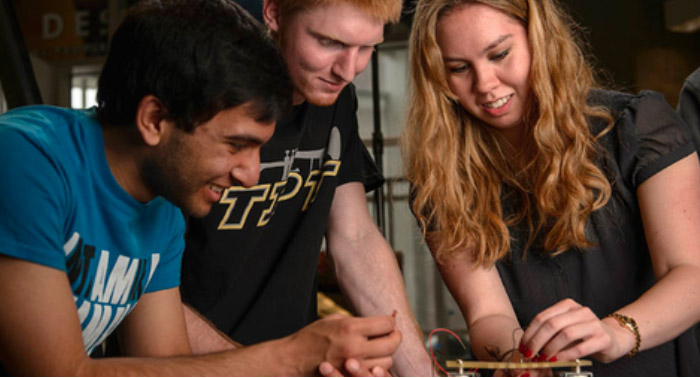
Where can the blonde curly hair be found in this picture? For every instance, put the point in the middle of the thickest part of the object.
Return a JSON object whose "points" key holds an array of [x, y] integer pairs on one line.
{"points": [[455, 163]]}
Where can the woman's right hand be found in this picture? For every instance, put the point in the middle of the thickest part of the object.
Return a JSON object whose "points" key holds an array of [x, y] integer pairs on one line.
{"points": [[568, 331]]}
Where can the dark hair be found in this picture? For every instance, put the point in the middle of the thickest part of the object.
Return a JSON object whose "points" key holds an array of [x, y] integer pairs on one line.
{"points": [[198, 57]]}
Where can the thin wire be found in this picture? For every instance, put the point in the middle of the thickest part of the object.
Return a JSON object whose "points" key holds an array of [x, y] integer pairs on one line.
{"points": [[495, 354], [432, 353]]}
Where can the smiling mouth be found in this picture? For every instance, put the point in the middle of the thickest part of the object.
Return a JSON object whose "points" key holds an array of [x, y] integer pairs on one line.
{"points": [[333, 83], [216, 189], [498, 103]]}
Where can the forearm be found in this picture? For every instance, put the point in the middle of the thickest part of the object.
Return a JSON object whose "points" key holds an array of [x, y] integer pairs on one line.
{"points": [[497, 333], [670, 307], [275, 358], [203, 336], [368, 275], [411, 359]]}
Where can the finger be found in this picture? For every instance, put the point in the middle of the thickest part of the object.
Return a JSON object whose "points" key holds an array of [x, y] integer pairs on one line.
{"points": [[578, 325], [569, 337], [559, 308], [596, 342], [374, 325], [379, 372], [382, 346], [556, 324], [328, 370], [356, 369], [384, 363]]}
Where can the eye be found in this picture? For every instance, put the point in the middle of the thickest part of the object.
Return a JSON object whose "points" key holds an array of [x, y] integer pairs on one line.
{"points": [[458, 68], [500, 56], [237, 146], [327, 42], [367, 49]]}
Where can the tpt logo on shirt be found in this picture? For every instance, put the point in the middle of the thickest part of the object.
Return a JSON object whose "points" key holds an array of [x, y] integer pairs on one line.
{"points": [[292, 183]]}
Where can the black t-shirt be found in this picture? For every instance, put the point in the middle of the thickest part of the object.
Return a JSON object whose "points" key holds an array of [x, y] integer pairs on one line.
{"points": [[250, 265], [647, 137]]}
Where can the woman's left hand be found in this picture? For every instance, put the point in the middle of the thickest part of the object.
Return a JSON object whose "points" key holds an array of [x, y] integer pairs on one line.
{"points": [[568, 331]]}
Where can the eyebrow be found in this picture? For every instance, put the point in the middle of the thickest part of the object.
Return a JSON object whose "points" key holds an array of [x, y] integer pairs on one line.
{"points": [[319, 35], [497, 42], [491, 46], [243, 138]]}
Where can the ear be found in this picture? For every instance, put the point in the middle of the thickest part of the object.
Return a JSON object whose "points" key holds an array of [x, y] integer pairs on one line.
{"points": [[271, 15], [150, 120]]}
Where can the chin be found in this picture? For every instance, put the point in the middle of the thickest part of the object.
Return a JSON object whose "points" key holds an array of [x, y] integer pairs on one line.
{"points": [[322, 101], [197, 211], [322, 98]]}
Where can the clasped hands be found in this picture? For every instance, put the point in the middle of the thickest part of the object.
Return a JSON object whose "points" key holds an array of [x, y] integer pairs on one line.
{"points": [[351, 346]]}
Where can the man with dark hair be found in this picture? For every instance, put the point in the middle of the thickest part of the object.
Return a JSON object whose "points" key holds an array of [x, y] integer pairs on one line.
{"points": [[249, 267], [90, 237]]}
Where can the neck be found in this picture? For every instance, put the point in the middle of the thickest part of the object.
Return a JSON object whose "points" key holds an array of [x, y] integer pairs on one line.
{"points": [[513, 139], [516, 149], [123, 159]]}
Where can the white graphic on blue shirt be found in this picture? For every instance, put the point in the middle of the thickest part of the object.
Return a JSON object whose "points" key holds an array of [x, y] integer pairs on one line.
{"points": [[105, 286]]}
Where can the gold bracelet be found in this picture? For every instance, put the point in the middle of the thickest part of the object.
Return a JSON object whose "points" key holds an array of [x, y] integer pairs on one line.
{"points": [[630, 324]]}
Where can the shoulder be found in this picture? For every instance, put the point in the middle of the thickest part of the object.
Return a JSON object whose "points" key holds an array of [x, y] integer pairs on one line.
{"points": [[689, 99], [168, 216], [650, 114], [610, 99], [619, 102], [693, 80], [647, 136], [644, 112], [43, 114], [166, 222], [43, 122]]}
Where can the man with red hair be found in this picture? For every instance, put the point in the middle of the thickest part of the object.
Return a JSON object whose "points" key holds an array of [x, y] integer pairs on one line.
{"points": [[250, 266]]}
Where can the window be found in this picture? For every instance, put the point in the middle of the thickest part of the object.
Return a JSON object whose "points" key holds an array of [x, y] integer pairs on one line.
{"points": [[83, 93]]}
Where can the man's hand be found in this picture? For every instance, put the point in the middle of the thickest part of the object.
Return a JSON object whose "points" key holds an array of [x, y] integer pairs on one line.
{"points": [[353, 369], [370, 342]]}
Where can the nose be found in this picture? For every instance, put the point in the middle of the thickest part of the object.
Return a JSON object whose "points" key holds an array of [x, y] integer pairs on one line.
{"points": [[346, 65], [246, 169], [485, 79]]}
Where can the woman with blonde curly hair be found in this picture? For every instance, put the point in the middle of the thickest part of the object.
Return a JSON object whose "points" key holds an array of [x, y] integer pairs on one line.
{"points": [[562, 217]]}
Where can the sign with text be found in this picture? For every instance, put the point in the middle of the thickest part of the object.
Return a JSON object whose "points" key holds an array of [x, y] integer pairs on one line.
{"points": [[64, 29]]}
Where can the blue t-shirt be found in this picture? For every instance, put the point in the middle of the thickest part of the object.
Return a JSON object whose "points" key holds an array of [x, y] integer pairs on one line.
{"points": [[60, 206]]}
